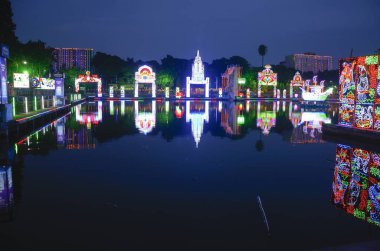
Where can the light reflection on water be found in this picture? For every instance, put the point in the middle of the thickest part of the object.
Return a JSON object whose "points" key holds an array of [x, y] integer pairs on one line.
{"points": [[193, 170]]}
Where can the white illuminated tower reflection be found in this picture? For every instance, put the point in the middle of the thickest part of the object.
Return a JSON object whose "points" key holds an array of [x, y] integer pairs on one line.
{"points": [[145, 121], [197, 119]]}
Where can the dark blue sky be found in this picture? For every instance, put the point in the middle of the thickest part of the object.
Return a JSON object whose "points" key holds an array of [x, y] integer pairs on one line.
{"points": [[151, 29]]}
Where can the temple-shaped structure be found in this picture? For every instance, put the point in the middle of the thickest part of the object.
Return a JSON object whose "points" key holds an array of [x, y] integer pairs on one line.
{"points": [[198, 76]]}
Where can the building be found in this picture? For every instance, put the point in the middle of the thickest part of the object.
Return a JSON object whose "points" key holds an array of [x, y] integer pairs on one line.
{"points": [[67, 58], [308, 62]]}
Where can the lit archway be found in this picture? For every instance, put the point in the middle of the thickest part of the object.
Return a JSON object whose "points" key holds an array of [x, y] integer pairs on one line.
{"points": [[267, 78], [145, 75], [88, 78]]}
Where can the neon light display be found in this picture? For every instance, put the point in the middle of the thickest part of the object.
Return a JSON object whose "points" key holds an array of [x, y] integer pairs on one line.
{"points": [[145, 121], [356, 183], [315, 92], [267, 78], [296, 82], [359, 92], [145, 75], [198, 76], [88, 78]]}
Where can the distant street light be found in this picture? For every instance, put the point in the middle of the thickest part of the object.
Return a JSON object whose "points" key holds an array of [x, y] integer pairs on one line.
{"points": [[24, 62]]}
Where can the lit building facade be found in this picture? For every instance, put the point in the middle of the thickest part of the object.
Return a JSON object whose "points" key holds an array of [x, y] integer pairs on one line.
{"points": [[309, 62], [67, 58]]}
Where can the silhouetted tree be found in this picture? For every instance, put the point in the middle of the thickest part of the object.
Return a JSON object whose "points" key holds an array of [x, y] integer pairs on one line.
{"points": [[262, 51]]}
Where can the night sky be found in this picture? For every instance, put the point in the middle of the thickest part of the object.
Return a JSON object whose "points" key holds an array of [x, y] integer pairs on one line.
{"points": [[151, 29]]}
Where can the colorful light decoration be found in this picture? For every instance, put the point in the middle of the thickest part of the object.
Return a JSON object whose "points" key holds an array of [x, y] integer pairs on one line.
{"points": [[316, 91], [145, 121], [198, 76], [297, 81], [267, 78], [359, 92], [248, 93], [145, 75], [356, 183], [220, 91], [88, 78]]}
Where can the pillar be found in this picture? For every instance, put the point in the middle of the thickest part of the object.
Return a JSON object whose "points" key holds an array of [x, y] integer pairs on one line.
{"points": [[136, 89], [187, 89], [154, 89]]}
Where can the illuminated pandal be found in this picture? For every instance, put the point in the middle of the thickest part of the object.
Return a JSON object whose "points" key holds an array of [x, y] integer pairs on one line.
{"points": [[145, 121], [197, 120], [296, 82], [267, 78], [266, 119], [198, 76], [88, 78], [145, 75]]}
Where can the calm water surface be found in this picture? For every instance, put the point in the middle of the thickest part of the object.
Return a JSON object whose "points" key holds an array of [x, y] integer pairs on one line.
{"points": [[186, 175]]}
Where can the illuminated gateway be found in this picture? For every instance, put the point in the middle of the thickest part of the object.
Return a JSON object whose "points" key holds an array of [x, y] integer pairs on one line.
{"points": [[198, 76]]}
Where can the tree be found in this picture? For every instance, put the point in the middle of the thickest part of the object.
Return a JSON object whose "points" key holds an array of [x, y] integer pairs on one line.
{"points": [[164, 79], [262, 51], [7, 27]]}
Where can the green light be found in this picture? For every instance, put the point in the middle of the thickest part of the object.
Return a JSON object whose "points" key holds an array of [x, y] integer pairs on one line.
{"points": [[16, 149], [240, 120], [14, 106], [35, 103], [241, 81]]}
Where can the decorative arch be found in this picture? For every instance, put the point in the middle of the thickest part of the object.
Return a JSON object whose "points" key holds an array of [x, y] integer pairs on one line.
{"points": [[297, 81], [88, 78], [145, 75], [267, 78]]}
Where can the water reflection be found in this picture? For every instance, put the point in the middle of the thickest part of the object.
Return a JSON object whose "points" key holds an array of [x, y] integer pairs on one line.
{"points": [[6, 193], [356, 187], [266, 116], [145, 120], [197, 113], [92, 122]]}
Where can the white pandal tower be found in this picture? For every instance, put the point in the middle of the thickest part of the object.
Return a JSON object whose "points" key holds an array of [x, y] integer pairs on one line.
{"points": [[198, 76]]}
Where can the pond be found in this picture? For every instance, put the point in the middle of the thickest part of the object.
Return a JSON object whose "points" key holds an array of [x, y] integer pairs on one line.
{"points": [[188, 175]]}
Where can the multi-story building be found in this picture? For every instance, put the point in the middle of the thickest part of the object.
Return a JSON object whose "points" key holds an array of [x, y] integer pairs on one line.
{"points": [[309, 62], [67, 58]]}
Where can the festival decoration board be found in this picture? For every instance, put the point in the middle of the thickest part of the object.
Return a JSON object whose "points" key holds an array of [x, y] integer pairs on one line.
{"points": [[356, 183], [359, 92]]}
